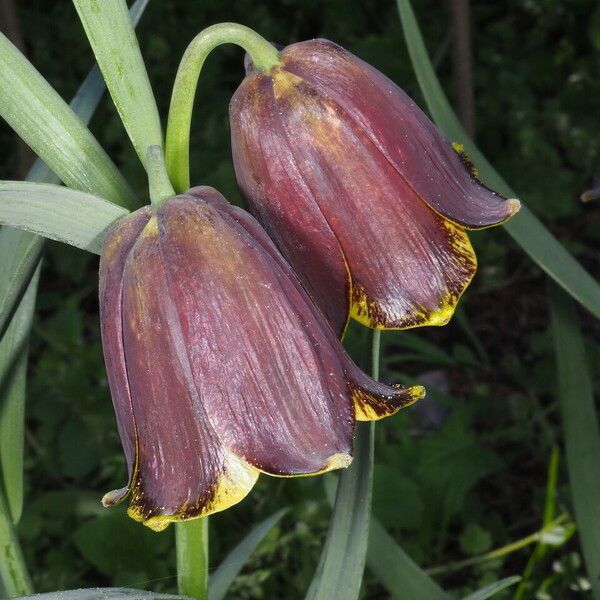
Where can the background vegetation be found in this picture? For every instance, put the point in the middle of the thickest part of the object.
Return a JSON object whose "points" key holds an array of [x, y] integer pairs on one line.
{"points": [[457, 476]]}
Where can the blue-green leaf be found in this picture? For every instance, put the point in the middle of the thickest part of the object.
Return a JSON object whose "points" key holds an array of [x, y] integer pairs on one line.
{"points": [[491, 590], [104, 594], [581, 432], [113, 40], [220, 581], [340, 569], [58, 213], [400, 575], [42, 118]]}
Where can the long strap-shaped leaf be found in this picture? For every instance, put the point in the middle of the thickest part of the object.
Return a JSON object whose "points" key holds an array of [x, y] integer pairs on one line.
{"points": [[402, 577], [58, 213], [113, 40], [13, 367], [44, 120], [220, 581], [491, 590], [339, 573], [581, 432], [524, 227]]}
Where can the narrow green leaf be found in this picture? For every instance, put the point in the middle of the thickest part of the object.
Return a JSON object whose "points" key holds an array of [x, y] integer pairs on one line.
{"points": [[42, 118], [13, 367], [491, 590], [524, 227], [400, 575], [13, 572], [340, 569], [220, 581], [104, 594], [581, 433], [113, 40], [339, 573], [58, 213]]}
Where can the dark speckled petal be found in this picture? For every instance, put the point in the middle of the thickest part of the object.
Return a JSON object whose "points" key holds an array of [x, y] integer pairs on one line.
{"points": [[281, 200], [437, 172], [183, 470]]}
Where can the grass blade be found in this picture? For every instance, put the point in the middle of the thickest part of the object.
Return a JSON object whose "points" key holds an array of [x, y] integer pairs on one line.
{"points": [[44, 121], [58, 213], [13, 367], [400, 575], [581, 433], [113, 40], [220, 581], [491, 590], [524, 227]]}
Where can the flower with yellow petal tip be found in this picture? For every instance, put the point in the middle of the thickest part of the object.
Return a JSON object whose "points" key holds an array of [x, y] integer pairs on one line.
{"points": [[219, 364], [358, 189]]}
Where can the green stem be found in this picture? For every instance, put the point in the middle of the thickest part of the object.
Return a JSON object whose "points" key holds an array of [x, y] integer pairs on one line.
{"points": [[13, 571], [192, 558], [263, 55], [499, 552], [158, 179]]}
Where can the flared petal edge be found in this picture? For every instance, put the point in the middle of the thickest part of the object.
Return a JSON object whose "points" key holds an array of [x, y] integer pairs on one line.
{"points": [[370, 406]]}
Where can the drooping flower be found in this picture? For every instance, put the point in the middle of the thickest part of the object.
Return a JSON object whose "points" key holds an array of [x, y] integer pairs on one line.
{"points": [[358, 189], [219, 364]]}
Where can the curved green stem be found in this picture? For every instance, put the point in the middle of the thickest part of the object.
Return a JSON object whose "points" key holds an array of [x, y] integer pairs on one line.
{"points": [[263, 55], [192, 558], [158, 179]]}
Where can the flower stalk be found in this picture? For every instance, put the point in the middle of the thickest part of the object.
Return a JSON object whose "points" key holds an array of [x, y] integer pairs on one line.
{"points": [[192, 558], [263, 55], [158, 179]]}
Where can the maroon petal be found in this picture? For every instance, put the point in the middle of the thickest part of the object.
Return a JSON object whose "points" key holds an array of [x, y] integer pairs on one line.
{"points": [[182, 469], [397, 128], [294, 384], [118, 243], [409, 265], [274, 398], [280, 199]]}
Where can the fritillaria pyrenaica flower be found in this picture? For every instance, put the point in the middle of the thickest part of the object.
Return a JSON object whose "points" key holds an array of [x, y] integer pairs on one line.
{"points": [[358, 189], [219, 364]]}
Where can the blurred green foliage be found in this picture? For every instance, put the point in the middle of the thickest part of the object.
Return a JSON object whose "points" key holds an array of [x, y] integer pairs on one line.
{"points": [[456, 477]]}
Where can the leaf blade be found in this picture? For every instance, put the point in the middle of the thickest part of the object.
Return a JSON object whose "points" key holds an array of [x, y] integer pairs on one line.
{"points": [[400, 575], [58, 213], [490, 590], [581, 431], [525, 228], [46, 123], [220, 581], [113, 40]]}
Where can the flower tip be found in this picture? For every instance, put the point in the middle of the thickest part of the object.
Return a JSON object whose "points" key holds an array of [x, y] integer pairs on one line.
{"points": [[114, 497], [337, 461], [514, 206], [417, 392]]}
